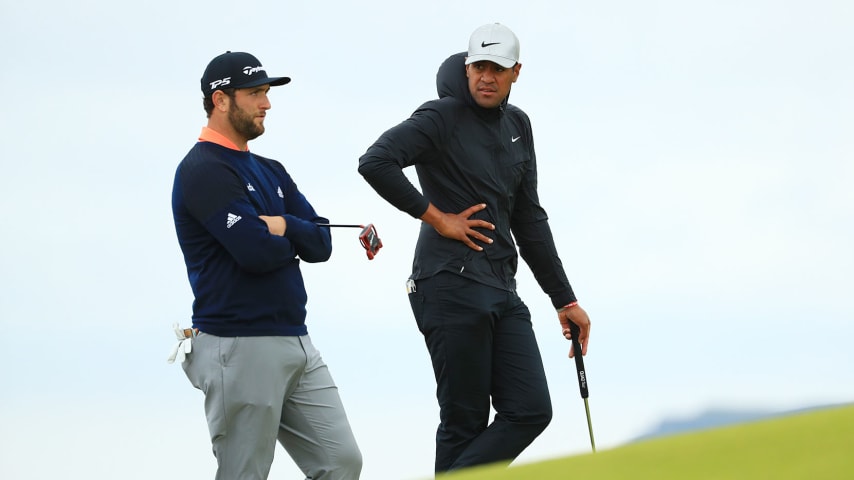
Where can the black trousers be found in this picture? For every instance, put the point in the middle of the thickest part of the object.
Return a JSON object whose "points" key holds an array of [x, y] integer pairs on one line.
{"points": [[482, 346]]}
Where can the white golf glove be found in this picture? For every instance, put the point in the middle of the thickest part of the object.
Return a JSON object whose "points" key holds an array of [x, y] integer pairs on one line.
{"points": [[182, 348]]}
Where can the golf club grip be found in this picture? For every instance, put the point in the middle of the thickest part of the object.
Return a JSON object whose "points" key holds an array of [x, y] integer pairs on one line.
{"points": [[579, 360]]}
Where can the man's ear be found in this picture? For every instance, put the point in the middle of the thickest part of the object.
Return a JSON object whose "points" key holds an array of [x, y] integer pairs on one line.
{"points": [[220, 100], [516, 69]]}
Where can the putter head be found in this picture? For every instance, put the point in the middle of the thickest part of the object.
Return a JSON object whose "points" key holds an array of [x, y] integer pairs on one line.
{"points": [[370, 240]]}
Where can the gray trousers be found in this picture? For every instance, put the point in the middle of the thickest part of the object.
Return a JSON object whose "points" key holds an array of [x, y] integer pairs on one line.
{"points": [[259, 389]]}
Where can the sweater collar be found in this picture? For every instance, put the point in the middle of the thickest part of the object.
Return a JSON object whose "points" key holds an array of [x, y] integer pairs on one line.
{"points": [[210, 135]]}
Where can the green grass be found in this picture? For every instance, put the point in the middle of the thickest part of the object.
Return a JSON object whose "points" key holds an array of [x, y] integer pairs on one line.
{"points": [[812, 446]]}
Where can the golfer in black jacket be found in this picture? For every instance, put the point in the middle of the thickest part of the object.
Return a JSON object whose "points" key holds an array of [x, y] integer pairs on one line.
{"points": [[474, 156]]}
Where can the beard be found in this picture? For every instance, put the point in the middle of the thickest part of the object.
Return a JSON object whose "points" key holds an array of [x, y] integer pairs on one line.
{"points": [[243, 123]]}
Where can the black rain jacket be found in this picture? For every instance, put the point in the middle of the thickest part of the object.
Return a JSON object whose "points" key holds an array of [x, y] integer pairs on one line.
{"points": [[465, 155]]}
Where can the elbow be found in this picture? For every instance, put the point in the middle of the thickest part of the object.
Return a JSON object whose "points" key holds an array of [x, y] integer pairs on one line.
{"points": [[318, 251], [316, 256], [259, 265], [371, 167], [366, 170], [267, 258]]}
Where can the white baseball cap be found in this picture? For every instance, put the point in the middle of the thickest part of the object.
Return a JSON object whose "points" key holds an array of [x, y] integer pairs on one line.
{"points": [[495, 43]]}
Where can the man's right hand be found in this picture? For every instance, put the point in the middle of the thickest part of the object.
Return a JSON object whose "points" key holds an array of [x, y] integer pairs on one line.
{"points": [[276, 225], [458, 226]]}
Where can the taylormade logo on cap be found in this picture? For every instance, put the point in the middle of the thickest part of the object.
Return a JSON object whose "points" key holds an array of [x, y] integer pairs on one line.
{"points": [[251, 70], [493, 42], [237, 70]]}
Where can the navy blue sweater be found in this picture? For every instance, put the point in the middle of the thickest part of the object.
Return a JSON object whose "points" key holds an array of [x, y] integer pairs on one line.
{"points": [[246, 281]]}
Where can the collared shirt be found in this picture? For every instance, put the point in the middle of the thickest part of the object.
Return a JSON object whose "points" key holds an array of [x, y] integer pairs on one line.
{"points": [[210, 135]]}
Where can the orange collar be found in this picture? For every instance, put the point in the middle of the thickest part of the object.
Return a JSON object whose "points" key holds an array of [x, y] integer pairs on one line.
{"points": [[210, 135]]}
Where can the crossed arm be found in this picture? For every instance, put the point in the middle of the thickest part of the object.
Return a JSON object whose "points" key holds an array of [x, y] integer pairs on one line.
{"points": [[276, 225]]}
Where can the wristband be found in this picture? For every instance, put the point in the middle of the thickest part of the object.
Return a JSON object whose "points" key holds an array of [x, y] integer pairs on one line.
{"points": [[567, 306]]}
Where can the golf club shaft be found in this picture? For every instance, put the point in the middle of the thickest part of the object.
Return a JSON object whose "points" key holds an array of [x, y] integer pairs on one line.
{"points": [[589, 425], [582, 378]]}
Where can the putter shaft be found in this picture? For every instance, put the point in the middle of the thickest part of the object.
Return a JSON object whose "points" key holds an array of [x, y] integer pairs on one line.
{"points": [[589, 425]]}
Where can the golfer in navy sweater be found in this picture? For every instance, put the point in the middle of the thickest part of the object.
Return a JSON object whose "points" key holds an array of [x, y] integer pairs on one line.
{"points": [[243, 227]]}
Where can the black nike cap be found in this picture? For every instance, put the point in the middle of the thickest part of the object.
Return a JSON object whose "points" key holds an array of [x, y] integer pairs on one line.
{"points": [[237, 70]]}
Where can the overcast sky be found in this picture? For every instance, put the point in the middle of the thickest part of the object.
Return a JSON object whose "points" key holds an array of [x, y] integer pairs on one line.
{"points": [[696, 160]]}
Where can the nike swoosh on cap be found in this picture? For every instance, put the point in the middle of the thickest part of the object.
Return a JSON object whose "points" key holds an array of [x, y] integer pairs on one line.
{"points": [[484, 44]]}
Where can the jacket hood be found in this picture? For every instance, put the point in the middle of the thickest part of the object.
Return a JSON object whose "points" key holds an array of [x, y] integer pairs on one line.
{"points": [[451, 78], [451, 81]]}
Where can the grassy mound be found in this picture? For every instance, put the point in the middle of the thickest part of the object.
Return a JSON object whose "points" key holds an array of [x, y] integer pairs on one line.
{"points": [[814, 445]]}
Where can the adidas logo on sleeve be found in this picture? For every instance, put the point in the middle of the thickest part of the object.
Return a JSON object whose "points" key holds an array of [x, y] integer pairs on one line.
{"points": [[231, 220]]}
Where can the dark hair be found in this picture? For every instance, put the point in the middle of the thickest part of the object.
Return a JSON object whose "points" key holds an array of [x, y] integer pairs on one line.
{"points": [[208, 100]]}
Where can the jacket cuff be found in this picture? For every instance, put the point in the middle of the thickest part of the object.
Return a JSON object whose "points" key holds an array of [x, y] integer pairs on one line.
{"points": [[560, 301]]}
